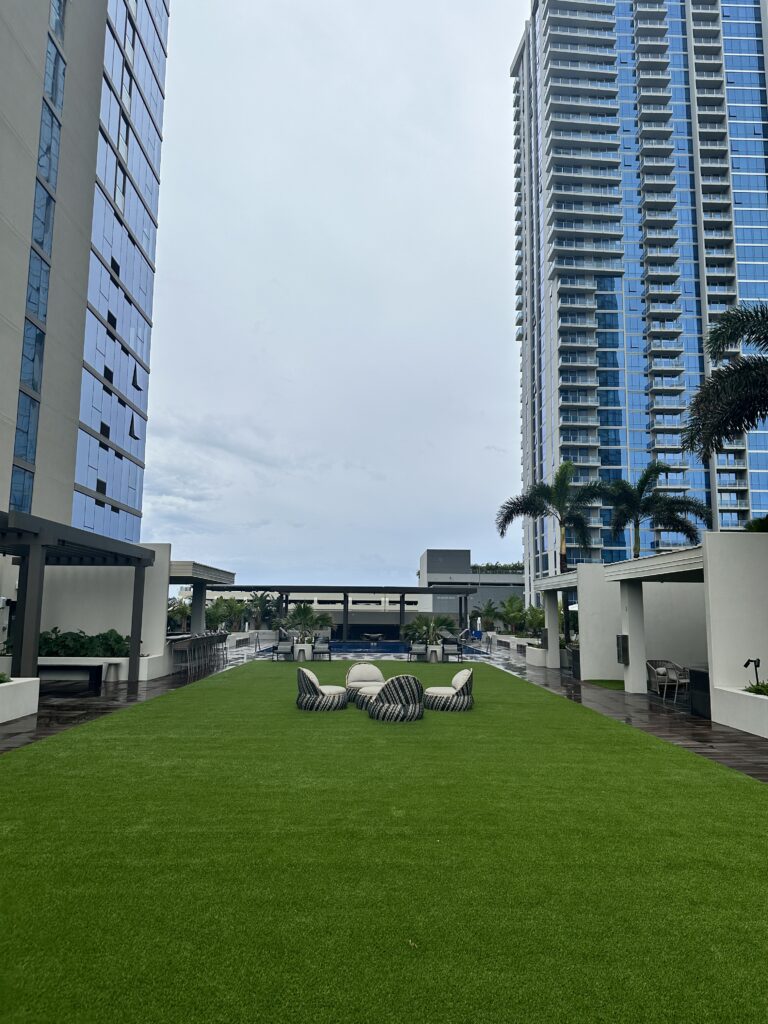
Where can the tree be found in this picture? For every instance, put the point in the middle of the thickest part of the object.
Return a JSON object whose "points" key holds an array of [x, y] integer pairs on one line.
{"points": [[488, 615], [534, 618], [225, 611], [565, 502], [498, 567], [735, 397], [512, 613], [179, 613], [634, 504], [428, 628], [265, 609], [757, 525], [306, 621]]}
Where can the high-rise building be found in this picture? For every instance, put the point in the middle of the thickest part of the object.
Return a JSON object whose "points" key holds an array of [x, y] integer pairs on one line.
{"points": [[641, 156], [81, 113]]}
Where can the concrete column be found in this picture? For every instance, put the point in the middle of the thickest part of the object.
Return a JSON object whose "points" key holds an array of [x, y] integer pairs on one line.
{"points": [[345, 619], [199, 590], [552, 626], [137, 619], [29, 607], [402, 611], [633, 625]]}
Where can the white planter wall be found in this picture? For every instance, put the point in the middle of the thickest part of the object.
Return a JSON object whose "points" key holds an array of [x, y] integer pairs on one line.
{"points": [[18, 699]]}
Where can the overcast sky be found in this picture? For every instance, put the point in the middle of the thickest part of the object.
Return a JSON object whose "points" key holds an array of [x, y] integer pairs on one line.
{"points": [[334, 380]]}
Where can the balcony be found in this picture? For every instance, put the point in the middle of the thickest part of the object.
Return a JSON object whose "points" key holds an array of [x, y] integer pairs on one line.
{"points": [[661, 364], [664, 346]]}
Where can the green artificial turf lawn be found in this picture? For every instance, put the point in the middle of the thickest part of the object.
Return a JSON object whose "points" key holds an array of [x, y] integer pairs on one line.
{"points": [[216, 855]]}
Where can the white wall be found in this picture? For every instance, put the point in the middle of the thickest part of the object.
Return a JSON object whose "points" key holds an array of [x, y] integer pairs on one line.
{"points": [[736, 582], [599, 623], [675, 622], [96, 599]]}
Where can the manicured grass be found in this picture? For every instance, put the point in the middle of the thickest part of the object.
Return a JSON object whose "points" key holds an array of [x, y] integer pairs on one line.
{"points": [[607, 684], [216, 856]]}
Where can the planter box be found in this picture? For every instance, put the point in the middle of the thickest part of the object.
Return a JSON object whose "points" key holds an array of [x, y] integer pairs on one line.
{"points": [[18, 699], [302, 652], [745, 711], [536, 656]]}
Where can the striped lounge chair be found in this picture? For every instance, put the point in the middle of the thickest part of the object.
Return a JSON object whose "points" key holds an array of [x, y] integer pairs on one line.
{"points": [[401, 699], [456, 697], [314, 697], [363, 674]]}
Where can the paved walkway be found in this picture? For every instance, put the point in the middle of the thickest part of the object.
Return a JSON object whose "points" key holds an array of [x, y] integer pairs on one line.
{"points": [[72, 705]]}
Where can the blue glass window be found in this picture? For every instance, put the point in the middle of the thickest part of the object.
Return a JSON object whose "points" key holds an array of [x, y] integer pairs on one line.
{"points": [[25, 444], [58, 14], [50, 143], [37, 287], [21, 490], [42, 220], [54, 76], [32, 356]]}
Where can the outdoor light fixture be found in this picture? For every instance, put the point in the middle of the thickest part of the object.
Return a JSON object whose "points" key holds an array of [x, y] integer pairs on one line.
{"points": [[756, 663]]}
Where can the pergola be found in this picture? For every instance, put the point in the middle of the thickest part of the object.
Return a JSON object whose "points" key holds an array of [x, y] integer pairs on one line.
{"points": [[200, 577], [37, 543], [286, 591]]}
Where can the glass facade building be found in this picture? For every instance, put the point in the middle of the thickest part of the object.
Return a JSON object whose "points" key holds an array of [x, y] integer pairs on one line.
{"points": [[111, 350], [113, 404], [641, 154]]}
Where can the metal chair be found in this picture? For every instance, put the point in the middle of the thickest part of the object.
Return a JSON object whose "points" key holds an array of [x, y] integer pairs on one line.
{"points": [[283, 649], [417, 650]]}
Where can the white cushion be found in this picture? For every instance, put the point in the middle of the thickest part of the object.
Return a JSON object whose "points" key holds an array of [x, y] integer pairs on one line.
{"points": [[370, 691], [311, 674], [364, 672], [661, 671], [460, 678], [330, 691], [440, 691]]}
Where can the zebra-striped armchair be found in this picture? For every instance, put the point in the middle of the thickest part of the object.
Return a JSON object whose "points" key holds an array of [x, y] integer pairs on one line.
{"points": [[363, 675], [456, 697], [401, 699], [314, 697]]}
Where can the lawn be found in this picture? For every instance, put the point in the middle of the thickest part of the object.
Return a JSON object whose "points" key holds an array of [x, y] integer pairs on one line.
{"points": [[216, 856]]}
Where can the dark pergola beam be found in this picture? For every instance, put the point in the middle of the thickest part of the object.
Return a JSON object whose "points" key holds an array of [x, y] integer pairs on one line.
{"points": [[29, 607], [137, 617]]}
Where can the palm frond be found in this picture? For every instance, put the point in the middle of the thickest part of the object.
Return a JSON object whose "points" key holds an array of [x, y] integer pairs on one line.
{"points": [[650, 475], [746, 322], [531, 503], [561, 486], [684, 507], [577, 522], [586, 494], [734, 399], [671, 522]]}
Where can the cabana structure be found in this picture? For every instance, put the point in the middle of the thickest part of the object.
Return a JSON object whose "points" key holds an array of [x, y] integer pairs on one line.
{"points": [[39, 543]]}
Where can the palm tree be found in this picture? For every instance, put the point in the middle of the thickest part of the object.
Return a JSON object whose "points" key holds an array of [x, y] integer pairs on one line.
{"points": [[306, 620], [562, 500], [264, 608], [428, 628], [488, 615], [512, 613], [634, 504], [735, 398]]}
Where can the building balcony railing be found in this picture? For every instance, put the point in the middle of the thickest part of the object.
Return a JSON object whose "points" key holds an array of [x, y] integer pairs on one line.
{"points": [[666, 345]]}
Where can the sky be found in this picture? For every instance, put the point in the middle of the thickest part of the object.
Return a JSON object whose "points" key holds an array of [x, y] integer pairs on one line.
{"points": [[334, 376]]}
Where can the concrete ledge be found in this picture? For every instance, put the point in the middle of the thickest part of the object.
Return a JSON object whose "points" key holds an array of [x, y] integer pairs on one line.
{"points": [[18, 699], [740, 710]]}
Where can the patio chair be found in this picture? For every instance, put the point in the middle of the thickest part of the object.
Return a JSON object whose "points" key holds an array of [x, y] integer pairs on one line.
{"points": [[456, 697], [314, 697], [662, 674], [401, 699], [417, 650], [363, 675], [321, 649], [283, 649], [452, 649]]}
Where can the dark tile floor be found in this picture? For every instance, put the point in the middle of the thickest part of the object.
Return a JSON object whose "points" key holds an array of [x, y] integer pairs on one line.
{"points": [[63, 706]]}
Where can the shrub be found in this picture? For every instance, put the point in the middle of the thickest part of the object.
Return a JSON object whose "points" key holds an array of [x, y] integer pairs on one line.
{"points": [[55, 644], [761, 688], [4, 677]]}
